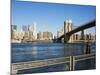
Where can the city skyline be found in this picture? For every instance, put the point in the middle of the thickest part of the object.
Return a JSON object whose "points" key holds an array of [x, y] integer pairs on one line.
{"points": [[50, 16]]}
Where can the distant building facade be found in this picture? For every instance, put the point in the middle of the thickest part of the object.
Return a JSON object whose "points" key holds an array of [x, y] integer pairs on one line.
{"points": [[47, 36], [44, 36], [40, 36], [77, 37], [13, 31], [28, 33]]}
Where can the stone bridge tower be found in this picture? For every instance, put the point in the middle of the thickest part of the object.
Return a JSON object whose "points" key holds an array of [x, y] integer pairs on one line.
{"points": [[68, 28]]}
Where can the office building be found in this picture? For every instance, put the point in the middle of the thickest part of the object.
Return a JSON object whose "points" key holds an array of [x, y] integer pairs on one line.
{"points": [[39, 36]]}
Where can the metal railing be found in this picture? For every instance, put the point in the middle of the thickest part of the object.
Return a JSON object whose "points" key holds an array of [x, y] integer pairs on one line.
{"points": [[38, 63], [48, 62], [78, 58]]}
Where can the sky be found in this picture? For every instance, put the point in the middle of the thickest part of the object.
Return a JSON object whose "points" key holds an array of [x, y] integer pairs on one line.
{"points": [[51, 16]]}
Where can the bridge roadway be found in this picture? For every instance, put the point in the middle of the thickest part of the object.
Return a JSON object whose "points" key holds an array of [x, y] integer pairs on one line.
{"points": [[47, 62], [80, 28]]}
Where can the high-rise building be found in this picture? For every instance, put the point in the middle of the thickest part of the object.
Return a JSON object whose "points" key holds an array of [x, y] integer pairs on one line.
{"points": [[14, 27], [35, 32], [28, 33], [32, 29], [47, 36], [25, 28], [44, 36], [40, 36], [13, 32]]}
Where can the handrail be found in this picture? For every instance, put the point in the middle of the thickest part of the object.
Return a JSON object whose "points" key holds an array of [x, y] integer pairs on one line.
{"points": [[39, 60]]}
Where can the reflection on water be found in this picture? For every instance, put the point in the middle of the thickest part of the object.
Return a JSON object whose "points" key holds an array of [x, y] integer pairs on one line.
{"points": [[28, 52], [36, 51]]}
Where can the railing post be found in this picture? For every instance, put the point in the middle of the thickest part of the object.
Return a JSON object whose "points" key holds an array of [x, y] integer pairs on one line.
{"points": [[13, 70], [72, 63]]}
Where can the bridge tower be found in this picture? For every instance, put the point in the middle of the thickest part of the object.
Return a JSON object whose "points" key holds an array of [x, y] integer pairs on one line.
{"points": [[67, 28]]}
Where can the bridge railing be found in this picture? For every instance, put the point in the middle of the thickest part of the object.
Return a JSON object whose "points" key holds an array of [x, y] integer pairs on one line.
{"points": [[71, 60]]}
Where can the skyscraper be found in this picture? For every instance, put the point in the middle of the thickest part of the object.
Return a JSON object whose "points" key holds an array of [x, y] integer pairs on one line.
{"points": [[39, 36], [24, 28], [14, 27], [35, 32], [32, 29], [13, 31], [47, 35]]}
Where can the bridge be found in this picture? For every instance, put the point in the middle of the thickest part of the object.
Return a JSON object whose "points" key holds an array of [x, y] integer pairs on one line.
{"points": [[87, 25]]}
